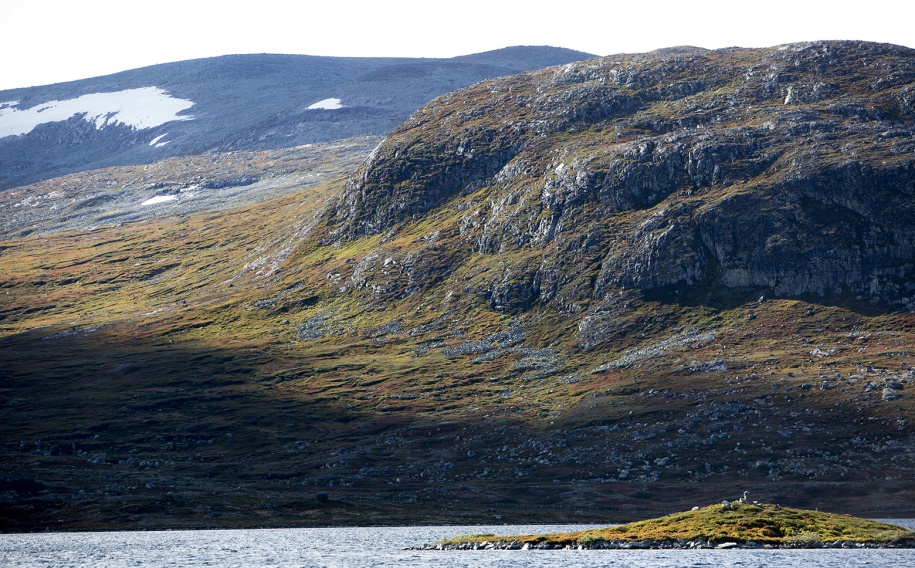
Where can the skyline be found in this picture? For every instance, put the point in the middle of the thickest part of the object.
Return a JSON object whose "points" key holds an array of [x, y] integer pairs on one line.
{"points": [[61, 41]]}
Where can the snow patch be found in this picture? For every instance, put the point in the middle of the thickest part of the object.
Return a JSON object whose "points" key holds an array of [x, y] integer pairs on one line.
{"points": [[159, 199], [327, 104], [146, 107], [155, 141]]}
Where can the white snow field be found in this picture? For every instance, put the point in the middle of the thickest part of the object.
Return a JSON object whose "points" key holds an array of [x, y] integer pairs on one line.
{"points": [[159, 199], [141, 108], [327, 104], [156, 141]]}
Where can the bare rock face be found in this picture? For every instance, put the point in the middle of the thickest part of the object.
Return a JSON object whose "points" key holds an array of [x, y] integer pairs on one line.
{"points": [[789, 168]]}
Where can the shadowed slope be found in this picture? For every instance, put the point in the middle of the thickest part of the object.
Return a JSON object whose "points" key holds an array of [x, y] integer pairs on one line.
{"points": [[449, 367]]}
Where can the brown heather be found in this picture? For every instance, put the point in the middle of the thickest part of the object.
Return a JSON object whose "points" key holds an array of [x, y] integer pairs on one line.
{"points": [[597, 291]]}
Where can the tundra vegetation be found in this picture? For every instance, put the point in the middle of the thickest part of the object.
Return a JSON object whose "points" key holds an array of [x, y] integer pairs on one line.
{"points": [[604, 290], [726, 525]]}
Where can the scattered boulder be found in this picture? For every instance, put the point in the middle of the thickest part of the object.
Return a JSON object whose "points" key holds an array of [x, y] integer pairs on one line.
{"points": [[890, 394]]}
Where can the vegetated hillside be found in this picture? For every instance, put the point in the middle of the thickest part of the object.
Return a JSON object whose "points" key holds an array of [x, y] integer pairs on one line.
{"points": [[587, 292], [245, 102]]}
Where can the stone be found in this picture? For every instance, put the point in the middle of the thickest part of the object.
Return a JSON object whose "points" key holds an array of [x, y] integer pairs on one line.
{"points": [[890, 394]]}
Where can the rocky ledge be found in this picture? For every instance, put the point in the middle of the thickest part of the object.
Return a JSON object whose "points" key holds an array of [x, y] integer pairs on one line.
{"points": [[736, 524]]}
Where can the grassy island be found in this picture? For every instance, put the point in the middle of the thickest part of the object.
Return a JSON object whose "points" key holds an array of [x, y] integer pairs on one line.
{"points": [[725, 525]]}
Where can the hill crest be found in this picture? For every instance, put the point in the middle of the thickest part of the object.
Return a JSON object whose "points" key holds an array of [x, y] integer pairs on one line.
{"points": [[241, 102], [789, 169]]}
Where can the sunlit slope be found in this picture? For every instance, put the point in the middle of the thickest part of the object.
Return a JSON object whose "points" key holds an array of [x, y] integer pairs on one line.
{"points": [[173, 187]]}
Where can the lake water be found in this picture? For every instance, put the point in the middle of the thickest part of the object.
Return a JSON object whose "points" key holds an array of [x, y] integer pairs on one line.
{"points": [[383, 546]]}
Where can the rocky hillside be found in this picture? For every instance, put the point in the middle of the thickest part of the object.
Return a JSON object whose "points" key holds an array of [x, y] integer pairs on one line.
{"points": [[230, 103], [789, 169], [595, 292], [176, 186]]}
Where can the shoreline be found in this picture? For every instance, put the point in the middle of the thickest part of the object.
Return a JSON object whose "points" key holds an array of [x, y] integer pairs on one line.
{"points": [[649, 544], [739, 524]]}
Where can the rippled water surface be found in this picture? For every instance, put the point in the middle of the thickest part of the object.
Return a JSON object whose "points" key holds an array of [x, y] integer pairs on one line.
{"points": [[377, 546]]}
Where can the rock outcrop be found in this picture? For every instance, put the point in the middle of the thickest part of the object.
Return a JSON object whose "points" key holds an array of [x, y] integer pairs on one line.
{"points": [[790, 169]]}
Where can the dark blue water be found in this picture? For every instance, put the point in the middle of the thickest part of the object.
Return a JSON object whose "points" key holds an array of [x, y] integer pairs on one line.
{"points": [[346, 547]]}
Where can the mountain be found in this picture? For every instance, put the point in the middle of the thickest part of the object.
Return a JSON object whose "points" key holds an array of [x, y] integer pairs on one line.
{"points": [[235, 102], [593, 291], [780, 171]]}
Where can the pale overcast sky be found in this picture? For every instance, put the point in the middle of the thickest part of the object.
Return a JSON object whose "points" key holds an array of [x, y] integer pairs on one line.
{"points": [[59, 40]]}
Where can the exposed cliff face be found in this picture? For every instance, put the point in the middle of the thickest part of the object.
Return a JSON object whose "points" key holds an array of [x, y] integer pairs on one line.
{"points": [[790, 168]]}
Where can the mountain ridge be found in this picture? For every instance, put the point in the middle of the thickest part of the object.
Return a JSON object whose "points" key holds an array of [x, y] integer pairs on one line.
{"points": [[248, 102]]}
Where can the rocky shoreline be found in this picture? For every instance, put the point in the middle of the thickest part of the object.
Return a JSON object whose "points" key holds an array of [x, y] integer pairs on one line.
{"points": [[649, 544], [740, 524]]}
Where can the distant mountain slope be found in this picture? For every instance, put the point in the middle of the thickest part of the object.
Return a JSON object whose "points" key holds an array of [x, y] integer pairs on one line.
{"points": [[236, 102], [176, 186]]}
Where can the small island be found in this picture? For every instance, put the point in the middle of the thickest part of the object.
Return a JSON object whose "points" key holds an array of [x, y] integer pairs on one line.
{"points": [[735, 524]]}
